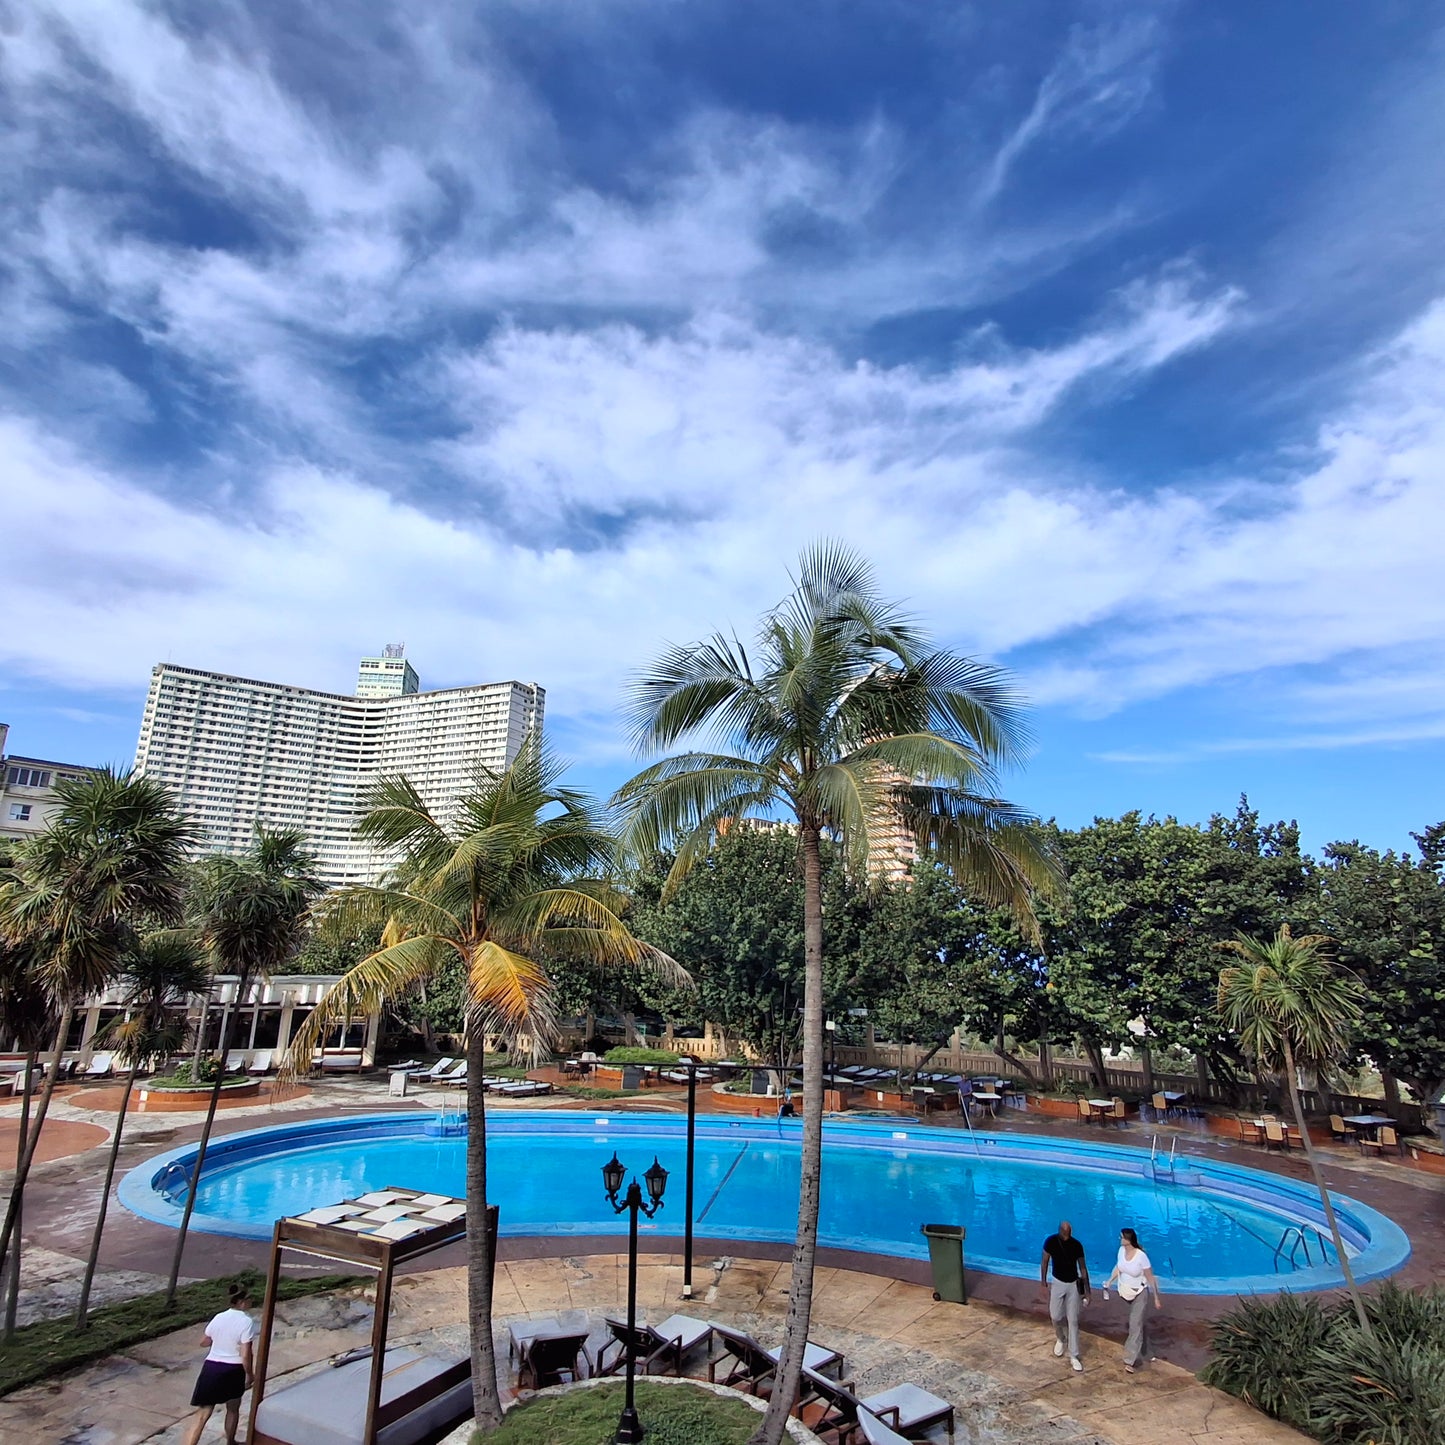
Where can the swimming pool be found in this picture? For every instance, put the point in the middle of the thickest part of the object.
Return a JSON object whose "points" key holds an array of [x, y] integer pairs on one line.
{"points": [[1212, 1228]]}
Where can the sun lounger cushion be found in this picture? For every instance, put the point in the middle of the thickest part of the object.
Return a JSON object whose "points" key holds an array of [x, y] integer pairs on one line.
{"points": [[914, 1404], [815, 1357], [687, 1331], [329, 1408]]}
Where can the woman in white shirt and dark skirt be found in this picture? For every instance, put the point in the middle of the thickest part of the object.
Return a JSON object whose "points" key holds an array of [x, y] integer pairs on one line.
{"points": [[227, 1372], [1136, 1284]]}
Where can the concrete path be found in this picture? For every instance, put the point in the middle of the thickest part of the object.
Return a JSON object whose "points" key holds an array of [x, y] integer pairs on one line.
{"points": [[997, 1367]]}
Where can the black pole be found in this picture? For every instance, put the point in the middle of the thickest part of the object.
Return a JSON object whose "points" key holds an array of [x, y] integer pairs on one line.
{"points": [[629, 1427], [687, 1223]]}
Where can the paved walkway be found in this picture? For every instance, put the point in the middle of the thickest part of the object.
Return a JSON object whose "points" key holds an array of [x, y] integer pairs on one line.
{"points": [[995, 1365]]}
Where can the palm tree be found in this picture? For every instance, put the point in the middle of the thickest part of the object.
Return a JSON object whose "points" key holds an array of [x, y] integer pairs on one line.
{"points": [[506, 879], [161, 970], [112, 856], [27, 1016], [1291, 1007], [250, 912], [848, 720]]}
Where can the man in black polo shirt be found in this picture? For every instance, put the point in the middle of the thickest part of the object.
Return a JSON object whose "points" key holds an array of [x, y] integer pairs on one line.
{"points": [[1069, 1285]]}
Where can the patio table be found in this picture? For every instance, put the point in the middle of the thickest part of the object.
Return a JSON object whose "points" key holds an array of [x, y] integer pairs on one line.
{"points": [[1371, 1123], [990, 1100]]}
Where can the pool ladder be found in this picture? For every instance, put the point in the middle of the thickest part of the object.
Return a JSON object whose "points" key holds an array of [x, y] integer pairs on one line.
{"points": [[1297, 1240], [1156, 1160]]}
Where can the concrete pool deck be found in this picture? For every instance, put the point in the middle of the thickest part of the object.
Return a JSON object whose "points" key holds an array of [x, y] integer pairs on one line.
{"points": [[62, 1200], [995, 1365]]}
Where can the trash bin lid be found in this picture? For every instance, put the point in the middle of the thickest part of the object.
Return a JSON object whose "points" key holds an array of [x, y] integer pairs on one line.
{"points": [[944, 1231]]}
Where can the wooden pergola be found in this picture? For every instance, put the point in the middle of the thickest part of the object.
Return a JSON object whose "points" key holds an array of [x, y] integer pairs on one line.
{"points": [[407, 1395]]}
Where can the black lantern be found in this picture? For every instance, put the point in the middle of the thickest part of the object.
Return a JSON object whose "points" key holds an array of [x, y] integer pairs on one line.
{"points": [[613, 1173], [656, 1178]]}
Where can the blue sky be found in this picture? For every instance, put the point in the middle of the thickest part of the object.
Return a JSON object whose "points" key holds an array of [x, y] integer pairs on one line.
{"points": [[543, 335]]}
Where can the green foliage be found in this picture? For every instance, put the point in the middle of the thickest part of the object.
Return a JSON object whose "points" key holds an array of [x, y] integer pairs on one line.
{"points": [[335, 951], [671, 1415], [1310, 1365], [735, 922], [207, 1071], [51, 1347], [651, 1058], [1387, 915]]}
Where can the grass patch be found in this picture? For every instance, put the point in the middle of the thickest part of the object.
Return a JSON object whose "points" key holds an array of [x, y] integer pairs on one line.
{"points": [[671, 1415], [633, 1054], [50, 1347], [588, 1091], [185, 1081]]}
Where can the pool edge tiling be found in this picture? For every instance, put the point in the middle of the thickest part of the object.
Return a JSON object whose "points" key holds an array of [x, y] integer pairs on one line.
{"points": [[1378, 1246]]}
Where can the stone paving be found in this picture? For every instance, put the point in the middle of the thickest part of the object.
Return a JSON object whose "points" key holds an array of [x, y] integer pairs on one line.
{"points": [[995, 1351], [996, 1366]]}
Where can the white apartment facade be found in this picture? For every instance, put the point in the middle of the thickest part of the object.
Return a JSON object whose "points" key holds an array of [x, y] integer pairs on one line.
{"points": [[236, 752], [27, 790]]}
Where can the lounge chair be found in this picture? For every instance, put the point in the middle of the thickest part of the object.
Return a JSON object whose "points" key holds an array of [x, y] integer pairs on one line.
{"points": [[552, 1360], [906, 1410], [441, 1069], [457, 1077], [875, 1432], [99, 1067], [753, 1366], [236, 1061], [668, 1343], [260, 1062]]}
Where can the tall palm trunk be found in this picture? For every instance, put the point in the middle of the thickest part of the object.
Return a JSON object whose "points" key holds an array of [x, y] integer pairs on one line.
{"points": [[1299, 1118], [800, 1288], [82, 1310], [211, 1107], [12, 1285], [32, 1140], [481, 1242]]}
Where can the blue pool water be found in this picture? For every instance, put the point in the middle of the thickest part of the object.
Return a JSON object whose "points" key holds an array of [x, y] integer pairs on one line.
{"points": [[1213, 1228]]}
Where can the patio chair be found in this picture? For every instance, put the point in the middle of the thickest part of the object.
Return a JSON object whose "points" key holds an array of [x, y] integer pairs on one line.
{"points": [[1274, 1135], [752, 1366], [552, 1360], [1386, 1139], [1120, 1112], [1248, 1134], [260, 1062], [1085, 1112], [907, 1410], [647, 1349], [1339, 1131], [1161, 1106], [100, 1065]]}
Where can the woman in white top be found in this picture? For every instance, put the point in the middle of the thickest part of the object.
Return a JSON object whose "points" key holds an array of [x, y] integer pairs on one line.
{"points": [[227, 1372], [1136, 1284]]}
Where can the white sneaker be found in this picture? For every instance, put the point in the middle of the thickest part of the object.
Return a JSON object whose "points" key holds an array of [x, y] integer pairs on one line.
{"points": [[1058, 1349], [1077, 1363]]}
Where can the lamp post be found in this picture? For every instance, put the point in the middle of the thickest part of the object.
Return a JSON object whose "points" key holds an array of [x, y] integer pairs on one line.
{"points": [[629, 1427], [832, 1026], [691, 1066]]}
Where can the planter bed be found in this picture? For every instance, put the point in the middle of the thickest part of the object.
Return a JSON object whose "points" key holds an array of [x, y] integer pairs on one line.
{"points": [[174, 1098]]}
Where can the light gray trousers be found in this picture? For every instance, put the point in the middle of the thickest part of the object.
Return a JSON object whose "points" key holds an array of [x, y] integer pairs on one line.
{"points": [[1136, 1347], [1064, 1311]]}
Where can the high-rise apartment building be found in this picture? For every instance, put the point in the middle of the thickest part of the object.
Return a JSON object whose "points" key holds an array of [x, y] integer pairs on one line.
{"points": [[237, 752], [389, 675]]}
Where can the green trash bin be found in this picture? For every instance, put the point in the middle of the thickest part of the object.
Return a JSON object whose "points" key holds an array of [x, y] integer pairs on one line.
{"points": [[945, 1254]]}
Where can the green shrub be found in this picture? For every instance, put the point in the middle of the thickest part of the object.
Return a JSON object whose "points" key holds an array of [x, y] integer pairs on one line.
{"points": [[1258, 1349], [671, 1415], [1310, 1365], [205, 1072], [652, 1058]]}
